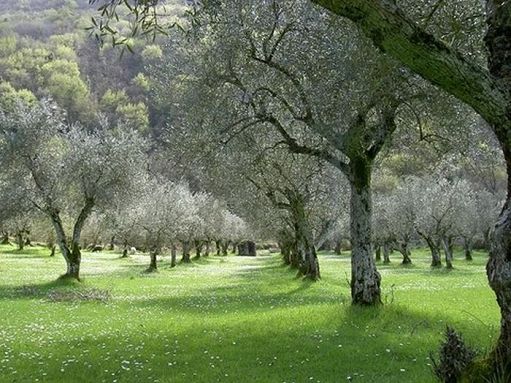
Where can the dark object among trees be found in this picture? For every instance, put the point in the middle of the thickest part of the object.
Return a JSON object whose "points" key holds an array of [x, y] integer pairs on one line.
{"points": [[247, 249]]}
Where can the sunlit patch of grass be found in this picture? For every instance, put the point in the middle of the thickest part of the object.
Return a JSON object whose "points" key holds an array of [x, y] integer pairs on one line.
{"points": [[231, 319]]}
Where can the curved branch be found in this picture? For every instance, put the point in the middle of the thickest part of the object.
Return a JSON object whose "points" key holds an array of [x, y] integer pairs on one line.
{"points": [[295, 147], [400, 37]]}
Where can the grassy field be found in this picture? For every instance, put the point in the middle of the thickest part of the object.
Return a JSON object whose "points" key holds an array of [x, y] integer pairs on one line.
{"points": [[230, 319]]}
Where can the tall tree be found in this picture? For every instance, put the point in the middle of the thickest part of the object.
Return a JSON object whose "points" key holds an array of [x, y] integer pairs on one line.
{"points": [[310, 101], [488, 91]]}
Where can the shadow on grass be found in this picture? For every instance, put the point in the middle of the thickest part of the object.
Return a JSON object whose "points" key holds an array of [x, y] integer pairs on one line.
{"points": [[246, 294], [366, 340], [40, 290]]}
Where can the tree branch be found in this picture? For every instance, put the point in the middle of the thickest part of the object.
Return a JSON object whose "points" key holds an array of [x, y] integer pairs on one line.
{"points": [[294, 147], [394, 33]]}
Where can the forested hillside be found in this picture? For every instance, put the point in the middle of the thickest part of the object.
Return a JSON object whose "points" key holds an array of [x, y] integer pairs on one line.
{"points": [[46, 49]]}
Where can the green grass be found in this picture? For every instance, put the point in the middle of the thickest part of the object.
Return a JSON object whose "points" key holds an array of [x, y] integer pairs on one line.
{"points": [[231, 319]]}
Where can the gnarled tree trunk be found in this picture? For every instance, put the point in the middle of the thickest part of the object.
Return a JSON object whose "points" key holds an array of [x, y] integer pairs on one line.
{"points": [[447, 244], [434, 248], [404, 249], [365, 279], [338, 247], [111, 245], [308, 263], [186, 252], [5, 238], [72, 260], [225, 246], [72, 253], [467, 247], [19, 240], [377, 252], [498, 269], [153, 265], [125, 250], [285, 251]]}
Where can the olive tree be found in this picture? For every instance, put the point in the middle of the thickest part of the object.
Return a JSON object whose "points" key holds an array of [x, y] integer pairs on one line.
{"points": [[486, 89], [312, 102], [67, 170]]}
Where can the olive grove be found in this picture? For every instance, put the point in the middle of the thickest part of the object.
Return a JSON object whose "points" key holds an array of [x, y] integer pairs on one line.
{"points": [[376, 127]]}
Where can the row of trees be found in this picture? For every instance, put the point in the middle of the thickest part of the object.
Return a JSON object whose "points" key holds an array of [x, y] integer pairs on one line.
{"points": [[168, 214], [437, 211], [440, 41], [65, 174], [289, 81]]}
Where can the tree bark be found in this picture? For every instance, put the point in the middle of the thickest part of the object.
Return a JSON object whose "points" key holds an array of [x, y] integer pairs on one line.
{"points": [[125, 250], [218, 247], [173, 255], [365, 279], [307, 259], [436, 260], [71, 255], [186, 252], [404, 249], [111, 246], [447, 244], [5, 238], [285, 251], [206, 249], [73, 264], [76, 257], [498, 269], [52, 250], [19, 240], [198, 249], [386, 253], [225, 246], [377, 253], [467, 247], [284, 242], [153, 265]]}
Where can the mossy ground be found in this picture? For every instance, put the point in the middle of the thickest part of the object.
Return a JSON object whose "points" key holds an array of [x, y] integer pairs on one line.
{"points": [[232, 319]]}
